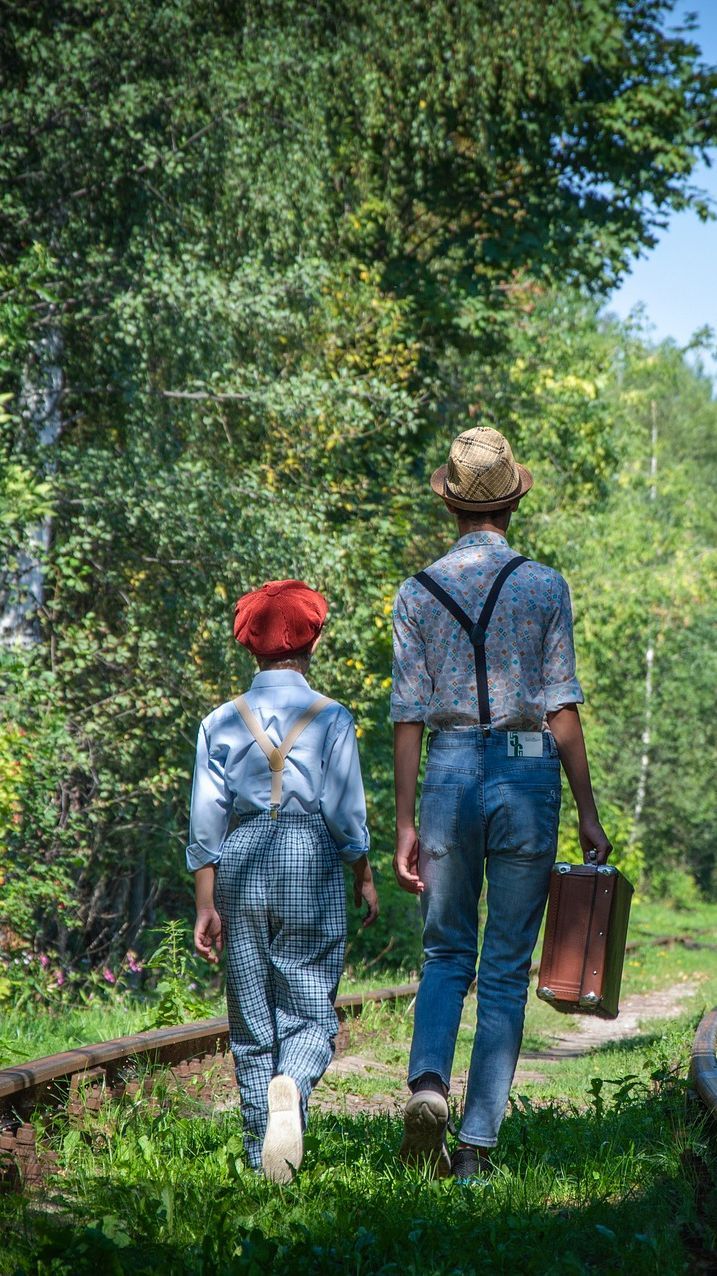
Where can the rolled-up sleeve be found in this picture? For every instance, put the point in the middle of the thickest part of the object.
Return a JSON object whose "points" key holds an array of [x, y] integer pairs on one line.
{"points": [[343, 803], [412, 687], [211, 806], [560, 684]]}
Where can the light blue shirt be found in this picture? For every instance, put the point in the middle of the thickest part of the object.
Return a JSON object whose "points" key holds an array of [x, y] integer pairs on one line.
{"points": [[322, 772]]}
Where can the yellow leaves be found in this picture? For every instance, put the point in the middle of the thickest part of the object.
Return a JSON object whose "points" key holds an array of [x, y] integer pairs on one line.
{"points": [[385, 683], [422, 104], [220, 591], [388, 607], [568, 384], [12, 776], [583, 386], [379, 622], [359, 732]]}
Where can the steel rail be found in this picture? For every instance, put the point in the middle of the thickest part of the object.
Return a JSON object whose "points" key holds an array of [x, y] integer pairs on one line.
{"points": [[45, 1081], [703, 1065]]}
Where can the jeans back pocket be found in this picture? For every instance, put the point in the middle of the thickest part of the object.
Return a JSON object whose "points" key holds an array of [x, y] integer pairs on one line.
{"points": [[531, 812], [438, 821]]}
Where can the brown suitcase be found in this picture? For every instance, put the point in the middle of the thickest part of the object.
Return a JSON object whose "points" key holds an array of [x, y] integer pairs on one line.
{"points": [[584, 944]]}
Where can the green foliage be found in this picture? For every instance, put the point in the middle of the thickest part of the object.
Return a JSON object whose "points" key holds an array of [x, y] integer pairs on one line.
{"points": [[674, 886], [281, 253]]}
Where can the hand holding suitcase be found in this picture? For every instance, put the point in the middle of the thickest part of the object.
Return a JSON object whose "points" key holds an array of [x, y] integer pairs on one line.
{"points": [[584, 944]]}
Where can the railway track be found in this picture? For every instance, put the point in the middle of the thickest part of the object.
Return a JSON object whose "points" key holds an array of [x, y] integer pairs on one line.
{"points": [[703, 1067], [86, 1077]]}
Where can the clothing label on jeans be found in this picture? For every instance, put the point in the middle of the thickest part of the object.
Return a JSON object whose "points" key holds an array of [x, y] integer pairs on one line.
{"points": [[525, 744]]}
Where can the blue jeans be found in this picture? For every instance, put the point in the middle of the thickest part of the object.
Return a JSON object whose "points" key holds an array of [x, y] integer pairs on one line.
{"points": [[483, 814]]}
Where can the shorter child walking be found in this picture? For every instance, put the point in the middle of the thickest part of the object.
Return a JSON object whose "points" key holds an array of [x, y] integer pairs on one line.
{"points": [[283, 760]]}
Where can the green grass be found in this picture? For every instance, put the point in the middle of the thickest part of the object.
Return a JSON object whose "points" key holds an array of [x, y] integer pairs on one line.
{"points": [[33, 1033], [606, 1165], [625, 1180]]}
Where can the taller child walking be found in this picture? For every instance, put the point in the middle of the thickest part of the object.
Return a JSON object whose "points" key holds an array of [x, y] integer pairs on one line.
{"points": [[483, 657], [283, 760]]}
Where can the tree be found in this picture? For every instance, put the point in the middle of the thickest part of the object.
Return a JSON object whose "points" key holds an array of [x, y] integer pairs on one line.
{"points": [[285, 248]]}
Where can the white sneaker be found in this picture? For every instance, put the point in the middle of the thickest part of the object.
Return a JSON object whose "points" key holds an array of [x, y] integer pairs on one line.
{"points": [[425, 1120], [283, 1146]]}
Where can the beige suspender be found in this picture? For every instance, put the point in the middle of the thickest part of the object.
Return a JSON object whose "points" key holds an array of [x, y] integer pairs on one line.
{"points": [[277, 754]]}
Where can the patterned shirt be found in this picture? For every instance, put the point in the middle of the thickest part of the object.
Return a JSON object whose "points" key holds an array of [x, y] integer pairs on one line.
{"points": [[232, 775], [529, 649]]}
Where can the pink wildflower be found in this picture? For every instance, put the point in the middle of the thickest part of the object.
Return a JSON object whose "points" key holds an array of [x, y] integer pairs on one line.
{"points": [[44, 961], [107, 974], [133, 962], [59, 978]]}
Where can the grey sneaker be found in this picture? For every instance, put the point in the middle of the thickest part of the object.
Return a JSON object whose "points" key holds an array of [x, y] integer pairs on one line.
{"points": [[425, 1120], [283, 1146]]}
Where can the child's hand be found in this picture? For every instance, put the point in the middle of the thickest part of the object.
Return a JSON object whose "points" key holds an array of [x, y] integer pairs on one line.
{"points": [[365, 891], [208, 934]]}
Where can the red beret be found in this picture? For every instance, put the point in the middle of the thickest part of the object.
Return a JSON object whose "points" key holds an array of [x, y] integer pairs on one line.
{"points": [[282, 617]]}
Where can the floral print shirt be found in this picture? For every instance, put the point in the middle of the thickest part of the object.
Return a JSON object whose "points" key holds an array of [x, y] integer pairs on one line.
{"points": [[530, 656]]}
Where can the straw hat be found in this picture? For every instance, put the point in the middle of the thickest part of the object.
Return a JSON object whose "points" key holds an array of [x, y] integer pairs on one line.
{"points": [[481, 473]]}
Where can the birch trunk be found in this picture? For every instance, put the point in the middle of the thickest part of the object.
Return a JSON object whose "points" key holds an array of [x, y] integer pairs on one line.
{"points": [[649, 658], [40, 408]]}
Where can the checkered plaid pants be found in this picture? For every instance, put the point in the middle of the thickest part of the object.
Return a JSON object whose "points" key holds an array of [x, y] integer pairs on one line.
{"points": [[280, 893]]}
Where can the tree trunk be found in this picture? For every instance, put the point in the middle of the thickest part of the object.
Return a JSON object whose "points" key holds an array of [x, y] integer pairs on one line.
{"points": [[40, 408], [649, 659]]}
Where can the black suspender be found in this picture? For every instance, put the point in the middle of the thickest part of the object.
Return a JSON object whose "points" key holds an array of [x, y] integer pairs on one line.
{"points": [[476, 630]]}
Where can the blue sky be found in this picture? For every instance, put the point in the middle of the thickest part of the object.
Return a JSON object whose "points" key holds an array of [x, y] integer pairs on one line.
{"points": [[677, 280]]}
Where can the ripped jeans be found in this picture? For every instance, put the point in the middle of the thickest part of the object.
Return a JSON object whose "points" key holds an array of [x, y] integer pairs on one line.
{"points": [[484, 813]]}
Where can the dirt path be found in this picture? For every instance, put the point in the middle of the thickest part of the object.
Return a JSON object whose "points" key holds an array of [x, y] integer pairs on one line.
{"points": [[592, 1033], [583, 1036]]}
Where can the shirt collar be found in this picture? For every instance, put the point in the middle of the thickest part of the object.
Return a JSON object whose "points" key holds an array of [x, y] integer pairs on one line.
{"points": [[278, 678], [478, 538]]}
